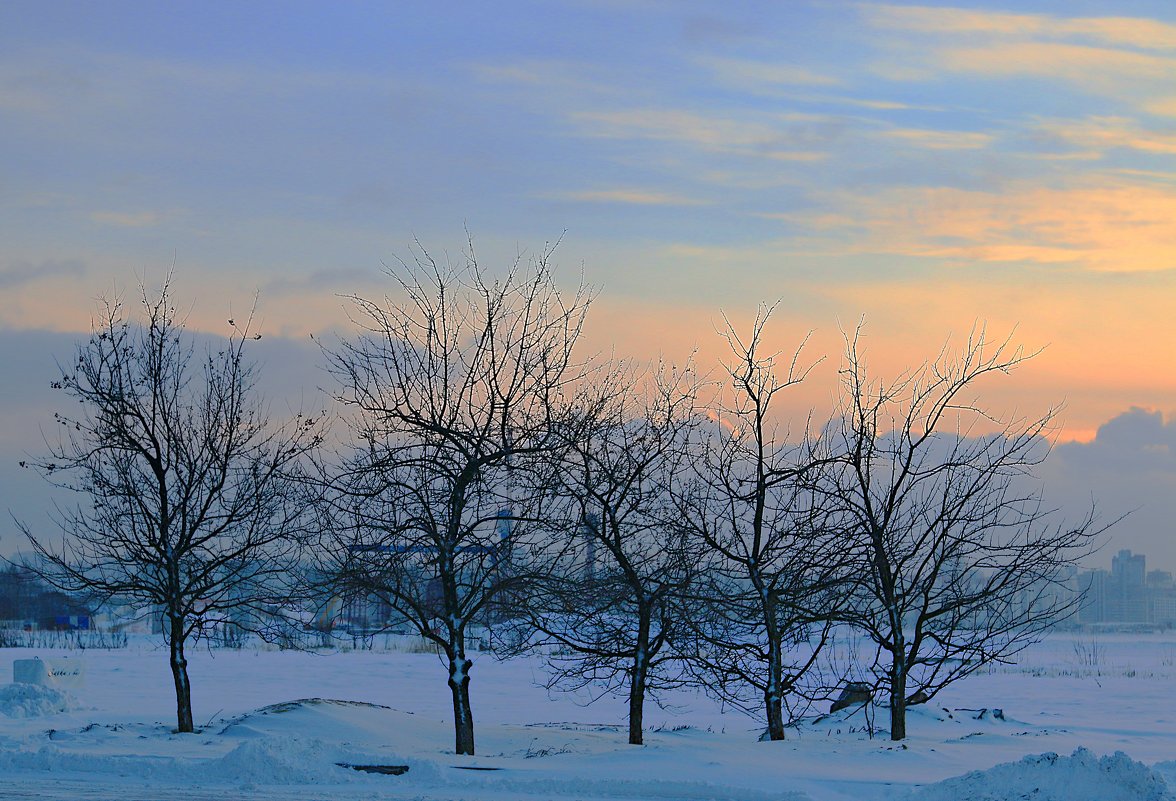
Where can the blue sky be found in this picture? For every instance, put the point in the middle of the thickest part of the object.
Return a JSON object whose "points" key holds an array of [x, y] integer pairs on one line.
{"points": [[924, 166]]}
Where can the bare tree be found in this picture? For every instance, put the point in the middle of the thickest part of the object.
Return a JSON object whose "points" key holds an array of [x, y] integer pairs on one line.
{"points": [[764, 612], [189, 504], [960, 562], [613, 600], [456, 398]]}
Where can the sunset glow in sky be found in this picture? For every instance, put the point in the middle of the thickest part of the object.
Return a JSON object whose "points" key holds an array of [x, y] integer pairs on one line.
{"points": [[924, 167]]}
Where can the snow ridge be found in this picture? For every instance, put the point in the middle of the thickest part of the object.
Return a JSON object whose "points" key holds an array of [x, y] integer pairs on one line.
{"points": [[1081, 776], [20, 700]]}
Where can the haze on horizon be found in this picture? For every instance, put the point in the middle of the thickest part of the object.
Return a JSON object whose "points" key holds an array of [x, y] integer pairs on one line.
{"points": [[924, 167]]}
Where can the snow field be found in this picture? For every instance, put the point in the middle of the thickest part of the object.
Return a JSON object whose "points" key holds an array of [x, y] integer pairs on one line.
{"points": [[114, 737]]}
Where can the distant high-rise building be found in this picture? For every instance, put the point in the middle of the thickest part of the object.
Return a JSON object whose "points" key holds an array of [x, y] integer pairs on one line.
{"points": [[1128, 569], [1161, 594], [1093, 586], [1127, 601], [1159, 579], [1127, 594]]}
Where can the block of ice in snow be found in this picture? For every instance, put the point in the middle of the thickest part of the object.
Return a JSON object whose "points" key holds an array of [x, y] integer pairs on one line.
{"points": [[48, 672]]}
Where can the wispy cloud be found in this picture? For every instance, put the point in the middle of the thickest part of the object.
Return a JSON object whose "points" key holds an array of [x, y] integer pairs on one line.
{"points": [[1105, 55], [1164, 107], [23, 273], [1099, 134], [1121, 31], [771, 136], [1109, 226], [930, 19], [761, 76], [706, 131], [1091, 66], [638, 197], [320, 282], [127, 219], [566, 78], [940, 140]]}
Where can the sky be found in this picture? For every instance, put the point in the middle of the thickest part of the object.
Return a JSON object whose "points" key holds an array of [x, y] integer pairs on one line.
{"points": [[922, 168]]}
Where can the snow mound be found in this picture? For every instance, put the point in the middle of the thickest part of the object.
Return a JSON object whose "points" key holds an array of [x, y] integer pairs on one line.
{"points": [[1049, 777], [285, 760], [276, 760], [21, 700]]}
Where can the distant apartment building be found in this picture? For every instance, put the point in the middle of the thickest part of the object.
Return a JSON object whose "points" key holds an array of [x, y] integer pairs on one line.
{"points": [[1093, 586], [1127, 601], [1127, 594], [1161, 591]]}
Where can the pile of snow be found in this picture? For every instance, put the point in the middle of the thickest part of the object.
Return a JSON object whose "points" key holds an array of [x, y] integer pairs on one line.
{"points": [[33, 700], [274, 760], [1049, 777], [288, 760]]}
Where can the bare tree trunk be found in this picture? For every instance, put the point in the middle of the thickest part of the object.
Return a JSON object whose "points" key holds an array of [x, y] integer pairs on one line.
{"points": [[773, 690], [463, 715], [638, 682], [898, 703], [637, 699], [179, 668]]}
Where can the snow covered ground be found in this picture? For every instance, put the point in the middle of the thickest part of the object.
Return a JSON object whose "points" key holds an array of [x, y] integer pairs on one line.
{"points": [[1074, 696]]}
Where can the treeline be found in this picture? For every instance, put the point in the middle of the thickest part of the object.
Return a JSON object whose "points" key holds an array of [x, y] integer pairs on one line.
{"points": [[661, 526]]}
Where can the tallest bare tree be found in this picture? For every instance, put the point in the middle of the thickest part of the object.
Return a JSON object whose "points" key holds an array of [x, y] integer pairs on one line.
{"points": [[457, 393], [189, 503]]}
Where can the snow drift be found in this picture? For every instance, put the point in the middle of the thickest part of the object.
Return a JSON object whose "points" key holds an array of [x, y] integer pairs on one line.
{"points": [[20, 700], [1049, 777]]}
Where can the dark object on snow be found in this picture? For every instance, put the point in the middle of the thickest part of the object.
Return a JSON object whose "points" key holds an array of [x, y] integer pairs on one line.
{"points": [[386, 770], [854, 692], [980, 714], [920, 697], [472, 767]]}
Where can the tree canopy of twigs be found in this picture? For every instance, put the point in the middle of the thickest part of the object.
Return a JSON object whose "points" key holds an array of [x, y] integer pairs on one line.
{"points": [[613, 599], [960, 563], [767, 594], [457, 396], [189, 505]]}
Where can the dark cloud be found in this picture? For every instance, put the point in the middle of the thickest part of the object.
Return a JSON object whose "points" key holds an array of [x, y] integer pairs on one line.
{"points": [[341, 280], [20, 273], [1128, 469], [1136, 440]]}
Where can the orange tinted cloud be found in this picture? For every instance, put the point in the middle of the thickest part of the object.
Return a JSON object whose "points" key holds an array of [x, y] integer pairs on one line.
{"points": [[777, 137], [638, 197], [1099, 134], [1100, 343], [1123, 31], [1093, 67], [1111, 226], [1119, 56], [1103, 342], [940, 140]]}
